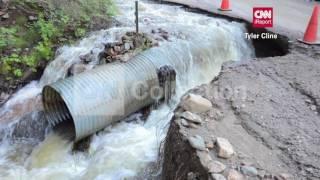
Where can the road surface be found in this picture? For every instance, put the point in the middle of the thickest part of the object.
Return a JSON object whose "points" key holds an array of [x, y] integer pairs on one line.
{"points": [[291, 17]]}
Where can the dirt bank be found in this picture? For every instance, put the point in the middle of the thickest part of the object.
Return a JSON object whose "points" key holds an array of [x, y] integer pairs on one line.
{"points": [[267, 108], [269, 111]]}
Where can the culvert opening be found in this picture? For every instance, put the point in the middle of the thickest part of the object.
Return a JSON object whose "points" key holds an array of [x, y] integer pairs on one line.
{"points": [[57, 113], [268, 47]]}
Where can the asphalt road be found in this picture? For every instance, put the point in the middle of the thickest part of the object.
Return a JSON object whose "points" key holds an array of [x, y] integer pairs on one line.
{"points": [[291, 17]]}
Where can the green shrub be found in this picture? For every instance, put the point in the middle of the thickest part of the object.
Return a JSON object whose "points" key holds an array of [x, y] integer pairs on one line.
{"points": [[57, 19], [80, 32], [9, 38], [47, 29], [18, 72]]}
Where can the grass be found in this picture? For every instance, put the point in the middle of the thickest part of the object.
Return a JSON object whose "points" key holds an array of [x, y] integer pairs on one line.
{"points": [[23, 45]]}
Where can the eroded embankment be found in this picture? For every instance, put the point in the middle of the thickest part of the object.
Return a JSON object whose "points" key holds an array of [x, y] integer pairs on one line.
{"points": [[267, 108], [272, 122]]}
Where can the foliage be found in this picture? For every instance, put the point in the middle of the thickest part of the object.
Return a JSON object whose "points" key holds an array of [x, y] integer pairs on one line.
{"points": [[57, 19], [9, 38], [84, 10], [47, 29], [80, 32]]}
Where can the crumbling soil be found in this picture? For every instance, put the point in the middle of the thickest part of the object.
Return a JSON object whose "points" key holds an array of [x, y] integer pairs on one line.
{"points": [[267, 108]]}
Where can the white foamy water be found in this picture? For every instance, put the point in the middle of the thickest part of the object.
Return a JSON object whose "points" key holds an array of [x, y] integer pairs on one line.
{"points": [[123, 150]]}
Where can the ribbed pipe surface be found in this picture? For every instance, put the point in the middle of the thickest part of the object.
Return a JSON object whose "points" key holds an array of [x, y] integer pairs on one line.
{"points": [[109, 93]]}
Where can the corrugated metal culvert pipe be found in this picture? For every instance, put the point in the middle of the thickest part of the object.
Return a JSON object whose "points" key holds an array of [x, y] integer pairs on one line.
{"points": [[109, 93]]}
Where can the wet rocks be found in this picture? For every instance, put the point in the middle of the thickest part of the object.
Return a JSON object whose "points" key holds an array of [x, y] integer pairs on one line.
{"points": [[5, 16], [127, 46], [77, 69], [87, 58], [225, 149], [196, 104], [32, 18], [191, 117], [197, 142], [162, 34], [32, 125]]}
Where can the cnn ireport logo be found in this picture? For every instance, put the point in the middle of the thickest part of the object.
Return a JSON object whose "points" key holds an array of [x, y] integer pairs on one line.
{"points": [[262, 17]]}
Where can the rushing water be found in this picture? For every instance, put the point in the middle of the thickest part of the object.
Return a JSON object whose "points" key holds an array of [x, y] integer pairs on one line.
{"points": [[124, 149]]}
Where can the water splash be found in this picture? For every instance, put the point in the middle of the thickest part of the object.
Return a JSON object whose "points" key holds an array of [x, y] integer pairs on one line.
{"points": [[125, 149]]}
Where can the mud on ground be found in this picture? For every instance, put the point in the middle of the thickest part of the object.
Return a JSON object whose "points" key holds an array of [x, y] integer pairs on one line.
{"points": [[269, 111]]}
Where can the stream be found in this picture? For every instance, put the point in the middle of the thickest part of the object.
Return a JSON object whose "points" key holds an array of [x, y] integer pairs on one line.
{"points": [[124, 150]]}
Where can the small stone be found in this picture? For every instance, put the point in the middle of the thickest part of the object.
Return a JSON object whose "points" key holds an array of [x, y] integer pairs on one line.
{"points": [[165, 36], [209, 144], [117, 48], [218, 177], [4, 96], [63, 39], [191, 176], [313, 108], [191, 117], [216, 167], [126, 57], [177, 114], [197, 142], [219, 115], [111, 52], [32, 18], [225, 149], [118, 57], [235, 175], [12, 8], [286, 176], [125, 38], [184, 123], [196, 104], [249, 170], [131, 45], [87, 58], [204, 158], [78, 68], [127, 46], [192, 125], [308, 101], [6, 16]]}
